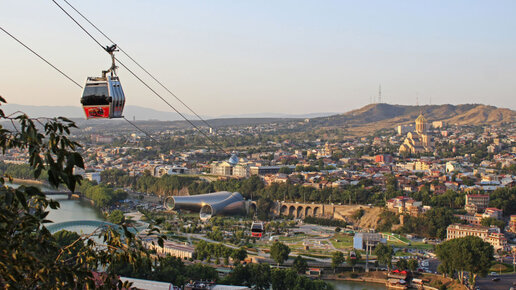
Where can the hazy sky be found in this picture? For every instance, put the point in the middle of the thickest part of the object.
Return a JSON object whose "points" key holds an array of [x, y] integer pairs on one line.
{"points": [[231, 57]]}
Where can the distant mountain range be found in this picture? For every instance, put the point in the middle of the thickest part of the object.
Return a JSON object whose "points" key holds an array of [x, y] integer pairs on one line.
{"points": [[359, 122], [141, 113]]}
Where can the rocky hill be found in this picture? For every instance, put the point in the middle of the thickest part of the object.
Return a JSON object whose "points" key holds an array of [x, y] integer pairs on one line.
{"points": [[381, 116]]}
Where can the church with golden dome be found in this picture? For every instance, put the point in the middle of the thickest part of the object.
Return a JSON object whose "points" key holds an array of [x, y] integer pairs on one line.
{"points": [[418, 141]]}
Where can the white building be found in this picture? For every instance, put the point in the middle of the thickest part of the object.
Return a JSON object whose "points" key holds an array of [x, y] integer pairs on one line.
{"points": [[92, 176]]}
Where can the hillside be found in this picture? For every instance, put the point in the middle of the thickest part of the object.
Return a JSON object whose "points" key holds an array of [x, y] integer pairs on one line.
{"points": [[380, 116]]}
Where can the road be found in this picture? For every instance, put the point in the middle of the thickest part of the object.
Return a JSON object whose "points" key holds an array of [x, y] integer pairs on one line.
{"points": [[505, 283]]}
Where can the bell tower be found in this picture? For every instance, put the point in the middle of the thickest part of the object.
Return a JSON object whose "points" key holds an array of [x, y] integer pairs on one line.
{"points": [[421, 124]]}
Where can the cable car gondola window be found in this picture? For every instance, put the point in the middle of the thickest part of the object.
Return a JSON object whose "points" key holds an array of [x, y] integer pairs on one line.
{"points": [[95, 95]]}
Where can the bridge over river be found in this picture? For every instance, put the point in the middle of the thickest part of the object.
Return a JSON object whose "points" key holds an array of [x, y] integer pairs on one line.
{"points": [[68, 193], [85, 224]]}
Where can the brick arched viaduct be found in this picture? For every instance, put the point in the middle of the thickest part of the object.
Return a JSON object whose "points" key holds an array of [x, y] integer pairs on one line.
{"points": [[300, 210]]}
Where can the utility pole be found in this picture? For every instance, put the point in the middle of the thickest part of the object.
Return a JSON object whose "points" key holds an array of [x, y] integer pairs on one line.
{"points": [[380, 94], [367, 256]]}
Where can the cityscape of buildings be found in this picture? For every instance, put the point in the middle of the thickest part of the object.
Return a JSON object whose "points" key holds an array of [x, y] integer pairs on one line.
{"points": [[417, 169]]}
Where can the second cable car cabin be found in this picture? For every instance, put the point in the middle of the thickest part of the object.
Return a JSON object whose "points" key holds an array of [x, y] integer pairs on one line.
{"points": [[257, 229], [103, 97]]}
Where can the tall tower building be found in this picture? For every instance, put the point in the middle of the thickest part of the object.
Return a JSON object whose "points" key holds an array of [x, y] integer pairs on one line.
{"points": [[421, 124]]}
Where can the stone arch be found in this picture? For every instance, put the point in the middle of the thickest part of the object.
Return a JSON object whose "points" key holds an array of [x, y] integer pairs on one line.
{"points": [[308, 211], [299, 212], [283, 210], [317, 211], [291, 210]]}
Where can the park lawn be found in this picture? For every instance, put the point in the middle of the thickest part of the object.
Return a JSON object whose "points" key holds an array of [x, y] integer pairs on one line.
{"points": [[397, 244], [403, 254], [399, 237], [421, 246], [344, 241], [292, 239], [416, 245]]}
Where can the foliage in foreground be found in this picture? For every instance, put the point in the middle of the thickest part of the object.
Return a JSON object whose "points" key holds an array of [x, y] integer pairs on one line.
{"points": [[30, 257]]}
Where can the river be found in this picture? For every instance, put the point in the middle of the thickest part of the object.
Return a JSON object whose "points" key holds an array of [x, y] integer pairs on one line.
{"points": [[70, 209], [73, 210]]}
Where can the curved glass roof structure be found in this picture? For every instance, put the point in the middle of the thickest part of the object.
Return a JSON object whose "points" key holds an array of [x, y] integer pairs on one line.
{"points": [[233, 160], [210, 204]]}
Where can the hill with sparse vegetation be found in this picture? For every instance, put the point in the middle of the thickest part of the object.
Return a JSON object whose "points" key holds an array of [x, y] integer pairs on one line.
{"points": [[380, 116]]}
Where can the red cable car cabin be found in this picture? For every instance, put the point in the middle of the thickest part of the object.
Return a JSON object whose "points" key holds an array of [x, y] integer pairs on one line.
{"points": [[257, 229], [103, 98]]}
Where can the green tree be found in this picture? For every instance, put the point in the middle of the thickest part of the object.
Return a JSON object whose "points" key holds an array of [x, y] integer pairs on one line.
{"points": [[259, 275], [358, 214], [300, 264], [413, 264], [278, 279], [353, 259], [239, 276], [116, 216], [337, 259], [493, 222], [263, 208], [239, 255], [279, 252], [469, 254], [402, 264], [384, 254]]}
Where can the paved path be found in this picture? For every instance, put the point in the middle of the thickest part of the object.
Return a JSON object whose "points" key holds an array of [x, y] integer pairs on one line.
{"points": [[506, 282]]}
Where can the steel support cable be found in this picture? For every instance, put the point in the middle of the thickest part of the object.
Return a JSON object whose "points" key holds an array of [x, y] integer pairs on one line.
{"points": [[134, 125], [143, 82], [177, 111], [64, 74], [140, 66], [42, 58]]}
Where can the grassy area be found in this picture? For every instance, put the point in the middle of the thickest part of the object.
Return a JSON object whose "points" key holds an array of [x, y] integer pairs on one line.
{"points": [[416, 245], [402, 254], [399, 238], [341, 241]]}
